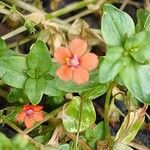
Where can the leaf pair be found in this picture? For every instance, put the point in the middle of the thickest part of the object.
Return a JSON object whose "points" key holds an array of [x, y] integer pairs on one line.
{"points": [[30, 73], [128, 53]]}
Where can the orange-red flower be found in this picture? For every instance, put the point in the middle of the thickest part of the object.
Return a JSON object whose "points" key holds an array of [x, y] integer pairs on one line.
{"points": [[30, 115], [76, 61]]}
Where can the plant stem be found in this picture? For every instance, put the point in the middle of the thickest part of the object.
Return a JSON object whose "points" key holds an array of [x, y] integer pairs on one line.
{"points": [[12, 8], [23, 5], [84, 145], [79, 124], [69, 8], [19, 130], [85, 12], [79, 15], [49, 116], [4, 11], [106, 113], [22, 41], [13, 33], [11, 124]]}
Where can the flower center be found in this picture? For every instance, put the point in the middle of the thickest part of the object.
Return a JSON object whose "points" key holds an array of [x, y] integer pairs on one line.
{"points": [[29, 112], [73, 62]]}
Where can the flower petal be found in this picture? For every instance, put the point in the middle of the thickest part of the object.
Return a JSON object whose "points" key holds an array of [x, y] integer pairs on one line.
{"points": [[78, 47], [64, 73], [21, 116], [27, 107], [38, 116], [37, 108], [89, 61], [29, 121], [61, 54], [80, 75]]}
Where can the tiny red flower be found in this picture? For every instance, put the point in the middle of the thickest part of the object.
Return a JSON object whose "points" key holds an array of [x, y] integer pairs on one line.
{"points": [[76, 61], [30, 115]]}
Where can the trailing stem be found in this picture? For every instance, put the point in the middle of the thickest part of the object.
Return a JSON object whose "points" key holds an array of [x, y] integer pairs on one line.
{"points": [[79, 124], [106, 113]]}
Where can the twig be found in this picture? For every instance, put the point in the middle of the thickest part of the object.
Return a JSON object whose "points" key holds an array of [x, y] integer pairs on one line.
{"points": [[136, 4], [12, 125], [124, 4], [4, 11], [79, 15], [13, 33], [69, 8], [147, 4], [23, 5], [138, 146], [22, 41]]}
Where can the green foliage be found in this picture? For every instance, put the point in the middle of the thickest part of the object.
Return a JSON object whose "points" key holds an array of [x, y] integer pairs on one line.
{"points": [[64, 147], [139, 46], [138, 82], [128, 53], [12, 67], [34, 88], [71, 115], [5, 142], [72, 87], [51, 88], [94, 92], [95, 134], [17, 95], [142, 16], [116, 25], [19, 142], [2, 44], [38, 60]]}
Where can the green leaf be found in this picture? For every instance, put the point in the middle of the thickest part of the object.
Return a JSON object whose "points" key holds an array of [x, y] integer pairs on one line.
{"points": [[141, 17], [13, 70], [64, 147], [130, 126], [51, 89], [34, 88], [72, 146], [109, 68], [5, 143], [21, 142], [94, 92], [111, 64], [139, 46], [17, 95], [3, 44], [12, 112], [38, 60], [72, 87], [136, 78], [95, 134], [147, 23], [114, 52], [72, 112], [116, 25]]}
